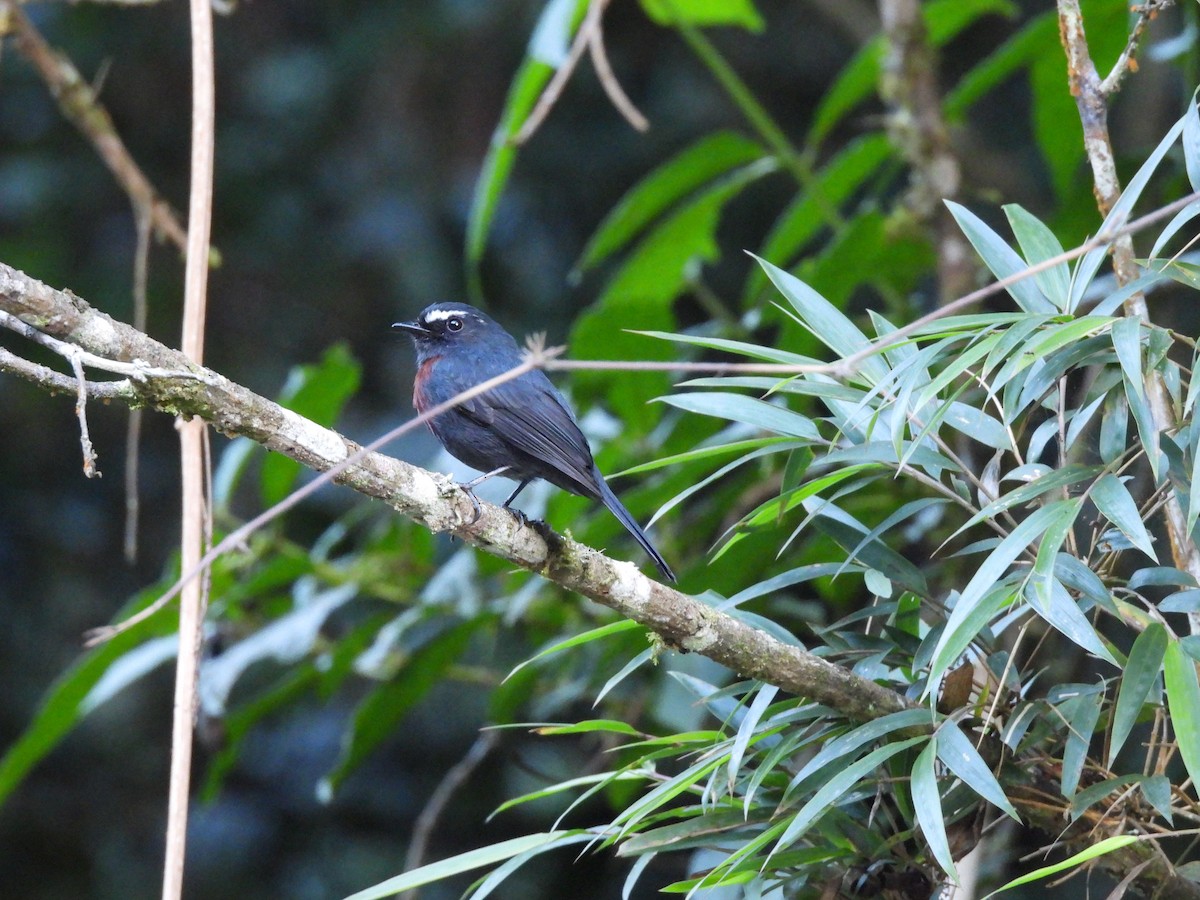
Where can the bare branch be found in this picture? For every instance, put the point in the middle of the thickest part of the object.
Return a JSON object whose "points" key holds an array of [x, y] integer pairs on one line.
{"points": [[1127, 61], [908, 83], [608, 80], [56, 382], [85, 441], [588, 36]]}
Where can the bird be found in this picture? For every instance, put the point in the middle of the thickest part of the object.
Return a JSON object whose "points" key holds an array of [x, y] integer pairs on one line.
{"points": [[522, 429]]}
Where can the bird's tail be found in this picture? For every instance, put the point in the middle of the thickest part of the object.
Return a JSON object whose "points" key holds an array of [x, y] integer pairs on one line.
{"points": [[609, 499]]}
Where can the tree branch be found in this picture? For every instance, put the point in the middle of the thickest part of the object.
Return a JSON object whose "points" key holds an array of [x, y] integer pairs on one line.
{"points": [[435, 502], [1092, 100], [908, 84], [78, 103]]}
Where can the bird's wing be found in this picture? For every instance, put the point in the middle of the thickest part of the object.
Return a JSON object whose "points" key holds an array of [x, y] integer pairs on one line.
{"points": [[532, 416]]}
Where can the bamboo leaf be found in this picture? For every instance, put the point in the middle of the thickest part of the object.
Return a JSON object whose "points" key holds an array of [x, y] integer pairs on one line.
{"points": [[1141, 672], [927, 803], [960, 757], [1114, 500], [1183, 700]]}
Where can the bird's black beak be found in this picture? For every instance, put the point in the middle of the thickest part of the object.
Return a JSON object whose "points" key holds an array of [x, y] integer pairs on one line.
{"points": [[416, 329]]}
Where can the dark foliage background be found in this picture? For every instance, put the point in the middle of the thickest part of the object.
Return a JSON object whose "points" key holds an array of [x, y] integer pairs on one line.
{"points": [[350, 135]]}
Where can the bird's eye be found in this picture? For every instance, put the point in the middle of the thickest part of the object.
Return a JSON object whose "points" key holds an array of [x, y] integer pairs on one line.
{"points": [[454, 323]]}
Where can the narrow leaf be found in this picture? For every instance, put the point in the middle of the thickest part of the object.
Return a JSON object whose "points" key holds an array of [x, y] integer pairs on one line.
{"points": [[1183, 699], [1140, 673], [1001, 259], [927, 803], [1114, 500], [1108, 845], [960, 757], [456, 865]]}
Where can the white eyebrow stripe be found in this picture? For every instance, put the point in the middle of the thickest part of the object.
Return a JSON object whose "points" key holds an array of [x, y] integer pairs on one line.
{"points": [[441, 315]]}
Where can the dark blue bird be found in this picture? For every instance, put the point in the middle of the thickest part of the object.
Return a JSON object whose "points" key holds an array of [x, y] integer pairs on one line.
{"points": [[522, 429]]}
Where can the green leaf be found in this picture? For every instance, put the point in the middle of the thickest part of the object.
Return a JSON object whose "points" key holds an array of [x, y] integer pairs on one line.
{"points": [[1114, 427], [590, 726], [802, 220], [1001, 259], [66, 701], [1039, 244], [1081, 714], [1061, 610], [841, 781], [1191, 143], [927, 803], [557, 25], [748, 410], [845, 744], [378, 716], [960, 757], [1108, 845], [317, 392], [702, 13], [1140, 673], [466, 862], [642, 290], [746, 731], [986, 577], [1127, 341], [577, 640], [827, 323], [675, 179], [1183, 701], [1114, 500]]}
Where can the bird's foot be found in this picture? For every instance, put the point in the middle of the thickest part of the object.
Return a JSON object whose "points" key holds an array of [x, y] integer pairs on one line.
{"points": [[522, 519], [468, 488]]}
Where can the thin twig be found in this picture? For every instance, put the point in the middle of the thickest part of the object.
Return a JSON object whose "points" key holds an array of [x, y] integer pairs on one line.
{"points": [[1127, 61], [588, 36], [553, 89], [133, 430], [137, 370], [451, 782], [46, 377], [85, 441], [604, 71], [78, 103]]}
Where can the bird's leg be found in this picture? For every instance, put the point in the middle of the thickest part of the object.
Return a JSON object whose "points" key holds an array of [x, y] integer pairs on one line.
{"points": [[469, 487], [513, 496]]}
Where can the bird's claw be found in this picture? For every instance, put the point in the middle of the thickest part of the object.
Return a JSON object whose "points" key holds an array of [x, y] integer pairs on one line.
{"points": [[466, 488]]}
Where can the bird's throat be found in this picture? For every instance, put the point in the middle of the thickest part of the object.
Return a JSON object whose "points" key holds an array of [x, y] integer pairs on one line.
{"points": [[424, 373]]}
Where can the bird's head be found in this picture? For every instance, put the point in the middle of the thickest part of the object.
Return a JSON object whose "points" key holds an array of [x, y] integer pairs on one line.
{"points": [[448, 325], [443, 325]]}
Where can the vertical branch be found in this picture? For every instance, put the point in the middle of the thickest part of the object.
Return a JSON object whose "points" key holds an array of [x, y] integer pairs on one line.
{"points": [[908, 84], [133, 432], [191, 437], [1091, 97]]}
